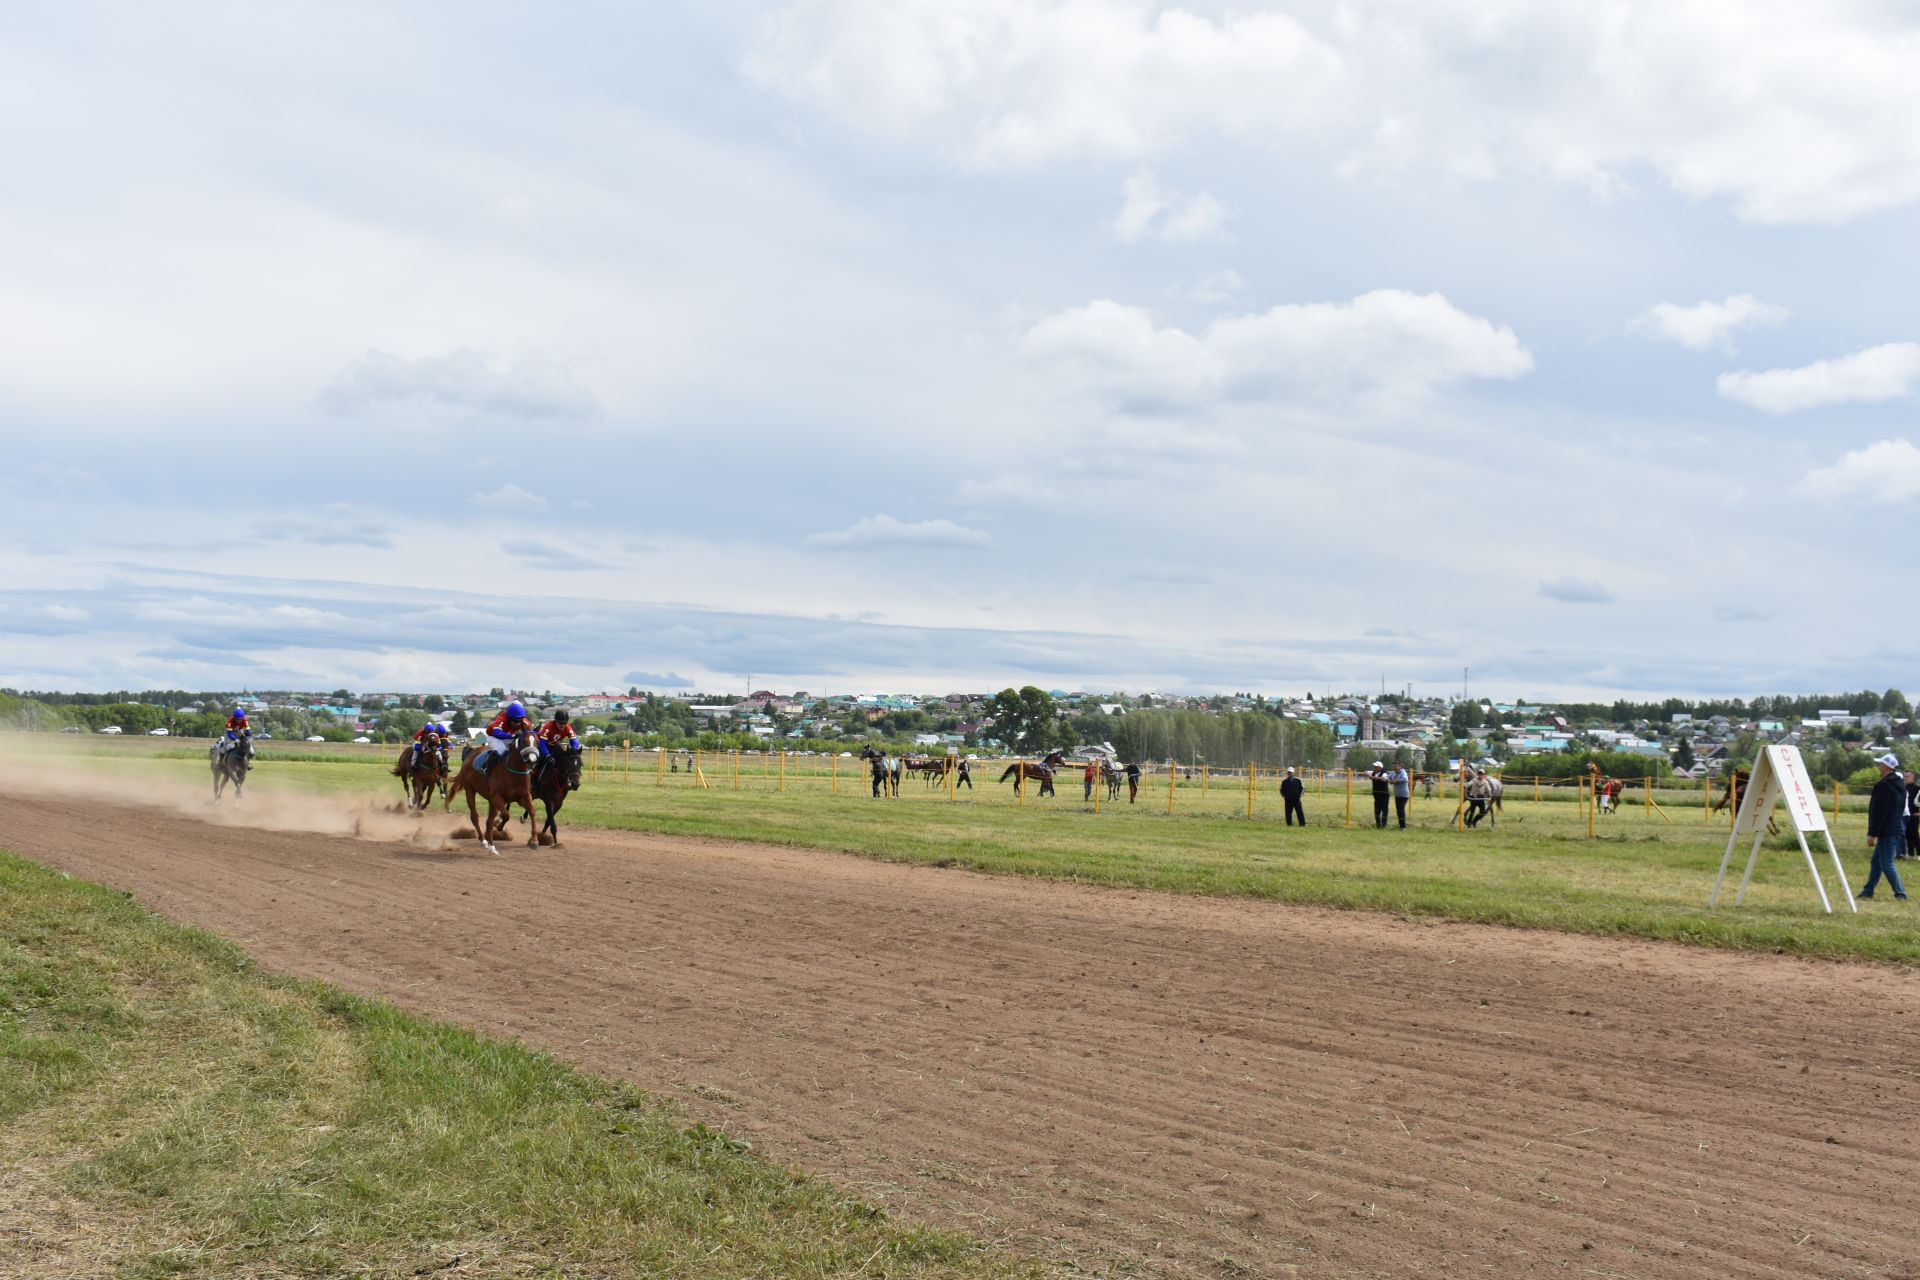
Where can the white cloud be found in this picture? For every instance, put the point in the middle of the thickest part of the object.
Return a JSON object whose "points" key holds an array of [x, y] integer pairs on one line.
{"points": [[885, 531], [1881, 474], [1795, 112], [536, 554], [1019, 82], [1708, 324], [1575, 591], [1149, 209], [464, 380], [1387, 342], [1214, 287], [509, 497], [1878, 373]]}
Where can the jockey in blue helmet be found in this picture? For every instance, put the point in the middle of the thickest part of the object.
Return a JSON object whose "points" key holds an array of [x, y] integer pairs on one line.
{"points": [[500, 733]]}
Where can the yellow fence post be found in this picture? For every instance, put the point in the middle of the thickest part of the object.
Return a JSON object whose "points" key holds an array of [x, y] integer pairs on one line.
{"points": [[1591, 806], [833, 773], [1173, 773], [1649, 794], [626, 757], [1252, 768], [1099, 785], [1460, 804], [1020, 784], [1349, 797], [783, 771], [1206, 775]]}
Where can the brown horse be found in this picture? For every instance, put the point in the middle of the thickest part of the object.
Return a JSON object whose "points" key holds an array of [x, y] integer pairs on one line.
{"points": [[508, 781], [1021, 771], [420, 775], [1736, 792]]}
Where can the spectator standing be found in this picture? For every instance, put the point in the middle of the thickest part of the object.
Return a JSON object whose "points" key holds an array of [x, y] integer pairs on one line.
{"points": [[1291, 789], [1402, 784], [1382, 792], [1091, 774], [1887, 825], [1133, 780]]}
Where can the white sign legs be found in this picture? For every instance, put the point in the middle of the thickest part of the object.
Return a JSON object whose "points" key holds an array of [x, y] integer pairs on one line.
{"points": [[1780, 774]]}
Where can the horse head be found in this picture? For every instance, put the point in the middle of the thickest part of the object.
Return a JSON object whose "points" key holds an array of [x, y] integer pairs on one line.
{"points": [[569, 758], [526, 747]]}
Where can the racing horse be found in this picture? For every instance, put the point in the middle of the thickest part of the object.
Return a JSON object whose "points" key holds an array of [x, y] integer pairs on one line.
{"points": [[1020, 771], [509, 781], [231, 766], [1111, 775], [421, 774], [557, 776]]}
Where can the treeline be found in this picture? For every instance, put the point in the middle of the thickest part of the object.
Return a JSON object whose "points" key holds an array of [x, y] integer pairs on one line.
{"points": [[1565, 764], [1229, 740], [1781, 706]]}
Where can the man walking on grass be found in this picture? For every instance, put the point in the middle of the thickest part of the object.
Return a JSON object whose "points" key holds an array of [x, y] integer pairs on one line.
{"points": [[1887, 825], [1291, 790]]}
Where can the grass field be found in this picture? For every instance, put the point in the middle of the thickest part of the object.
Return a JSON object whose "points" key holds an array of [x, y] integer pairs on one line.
{"points": [[1647, 875], [168, 1110]]}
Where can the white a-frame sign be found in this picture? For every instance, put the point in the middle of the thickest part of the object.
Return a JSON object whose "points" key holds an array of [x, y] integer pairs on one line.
{"points": [[1780, 774]]}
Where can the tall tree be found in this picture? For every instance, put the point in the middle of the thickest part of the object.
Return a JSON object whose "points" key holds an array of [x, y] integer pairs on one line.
{"points": [[1023, 719]]}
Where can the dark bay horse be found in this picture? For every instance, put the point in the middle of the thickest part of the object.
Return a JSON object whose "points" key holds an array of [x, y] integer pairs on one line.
{"points": [[557, 776], [421, 773], [508, 781], [231, 766]]}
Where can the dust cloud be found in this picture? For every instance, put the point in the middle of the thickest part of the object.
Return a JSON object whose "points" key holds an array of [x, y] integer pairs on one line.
{"points": [[275, 807]]}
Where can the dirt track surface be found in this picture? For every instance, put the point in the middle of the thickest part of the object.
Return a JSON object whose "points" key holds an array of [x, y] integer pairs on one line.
{"points": [[1127, 1080]]}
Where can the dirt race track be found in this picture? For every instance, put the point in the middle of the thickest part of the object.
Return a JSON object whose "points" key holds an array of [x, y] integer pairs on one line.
{"points": [[1133, 1082]]}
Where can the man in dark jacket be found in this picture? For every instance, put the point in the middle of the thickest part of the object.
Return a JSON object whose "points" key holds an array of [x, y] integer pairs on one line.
{"points": [[1382, 793], [1887, 825], [1291, 790]]}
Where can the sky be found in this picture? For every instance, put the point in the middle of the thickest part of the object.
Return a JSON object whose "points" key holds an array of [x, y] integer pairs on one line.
{"points": [[873, 345]]}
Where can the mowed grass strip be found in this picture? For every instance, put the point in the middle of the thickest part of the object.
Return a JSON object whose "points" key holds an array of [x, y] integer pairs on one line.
{"points": [[206, 1119], [1647, 876]]}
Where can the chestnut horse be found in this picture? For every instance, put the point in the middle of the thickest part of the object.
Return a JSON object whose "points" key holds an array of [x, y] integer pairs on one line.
{"points": [[508, 781], [420, 775]]}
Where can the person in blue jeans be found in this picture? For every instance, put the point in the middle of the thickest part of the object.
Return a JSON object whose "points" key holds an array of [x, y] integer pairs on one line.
{"points": [[1887, 825]]}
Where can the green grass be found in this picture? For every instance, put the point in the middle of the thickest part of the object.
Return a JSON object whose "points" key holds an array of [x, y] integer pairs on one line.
{"points": [[1646, 876], [204, 1119]]}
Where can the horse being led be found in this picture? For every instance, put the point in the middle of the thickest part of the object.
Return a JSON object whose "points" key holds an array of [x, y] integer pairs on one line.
{"points": [[1112, 776], [231, 765], [885, 778], [1022, 772], [507, 782], [421, 771], [557, 776]]}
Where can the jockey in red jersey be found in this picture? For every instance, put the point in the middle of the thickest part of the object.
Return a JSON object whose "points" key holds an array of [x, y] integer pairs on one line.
{"points": [[239, 732], [512, 720], [558, 732], [426, 738]]}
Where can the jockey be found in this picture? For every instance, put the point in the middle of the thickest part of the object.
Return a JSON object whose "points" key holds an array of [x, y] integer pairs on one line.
{"points": [[500, 733], [425, 739], [558, 732], [237, 727]]}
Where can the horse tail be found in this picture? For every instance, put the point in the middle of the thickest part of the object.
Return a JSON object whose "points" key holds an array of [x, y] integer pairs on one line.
{"points": [[1011, 770]]}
